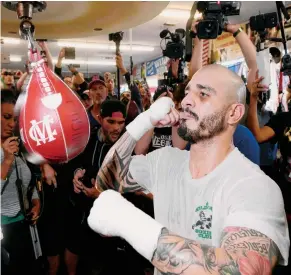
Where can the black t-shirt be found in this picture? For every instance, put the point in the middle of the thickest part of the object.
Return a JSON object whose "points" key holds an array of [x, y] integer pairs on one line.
{"points": [[281, 124], [162, 137]]}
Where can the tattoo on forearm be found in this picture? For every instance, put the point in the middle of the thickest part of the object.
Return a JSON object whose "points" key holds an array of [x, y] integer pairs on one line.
{"points": [[114, 172], [243, 252]]}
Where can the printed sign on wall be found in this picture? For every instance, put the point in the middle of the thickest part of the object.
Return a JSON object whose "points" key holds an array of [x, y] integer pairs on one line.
{"points": [[157, 66]]}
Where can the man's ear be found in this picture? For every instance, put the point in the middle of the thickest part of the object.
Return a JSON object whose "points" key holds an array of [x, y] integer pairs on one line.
{"points": [[236, 113]]}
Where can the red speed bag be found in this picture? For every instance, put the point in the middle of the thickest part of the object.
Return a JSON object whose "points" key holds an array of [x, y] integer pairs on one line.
{"points": [[53, 122]]}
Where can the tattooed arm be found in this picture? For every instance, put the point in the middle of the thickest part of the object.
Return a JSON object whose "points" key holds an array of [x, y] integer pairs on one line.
{"points": [[114, 172], [243, 251]]}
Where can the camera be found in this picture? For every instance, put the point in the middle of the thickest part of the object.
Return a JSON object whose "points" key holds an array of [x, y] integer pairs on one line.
{"points": [[175, 47], [263, 21], [116, 37], [214, 17], [286, 64]]}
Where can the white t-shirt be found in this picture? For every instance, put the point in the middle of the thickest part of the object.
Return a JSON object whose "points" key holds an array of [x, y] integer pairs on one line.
{"points": [[236, 193]]}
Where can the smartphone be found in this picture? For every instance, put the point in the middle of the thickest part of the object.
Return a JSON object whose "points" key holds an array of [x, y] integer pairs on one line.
{"points": [[70, 53]]}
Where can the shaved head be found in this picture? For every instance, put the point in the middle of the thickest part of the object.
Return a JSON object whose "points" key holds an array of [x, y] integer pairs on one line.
{"points": [[234, 87], [213, 105]]}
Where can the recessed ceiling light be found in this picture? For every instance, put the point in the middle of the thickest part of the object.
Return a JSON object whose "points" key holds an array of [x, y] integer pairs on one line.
{"points": [[15, 58], [8, 40], [170, 24], [98, 29], [176, 13]]}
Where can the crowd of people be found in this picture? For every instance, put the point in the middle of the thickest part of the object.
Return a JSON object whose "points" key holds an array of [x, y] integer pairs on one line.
{"points": [[215, 99]]}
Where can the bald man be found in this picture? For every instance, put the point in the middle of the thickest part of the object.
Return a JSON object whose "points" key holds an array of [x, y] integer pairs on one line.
{"points": [[212, 205]]}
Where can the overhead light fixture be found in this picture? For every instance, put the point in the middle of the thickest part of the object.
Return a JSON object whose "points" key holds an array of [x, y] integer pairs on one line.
{"points": [[83, 45], [136, 48], [177, 13], [15, 58], [87, 62], [8, 40]]}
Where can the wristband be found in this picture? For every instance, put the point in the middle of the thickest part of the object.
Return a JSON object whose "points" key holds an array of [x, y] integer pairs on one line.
{"points": [[237, 32]]}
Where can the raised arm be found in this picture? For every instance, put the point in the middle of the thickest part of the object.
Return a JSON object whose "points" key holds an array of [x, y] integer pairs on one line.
{"points": [[58, 66], [196, 59], [21, 81], [264, 133], [248, 49], [135, 94], [43, 45], [114, 172]]}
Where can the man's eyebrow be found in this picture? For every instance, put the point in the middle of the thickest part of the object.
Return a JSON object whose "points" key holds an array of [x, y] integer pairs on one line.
{"points": [[188, 88], [207, 88]]}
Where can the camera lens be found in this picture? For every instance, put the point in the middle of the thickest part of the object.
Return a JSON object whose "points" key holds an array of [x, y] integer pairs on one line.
{"points": [[209, 27]]}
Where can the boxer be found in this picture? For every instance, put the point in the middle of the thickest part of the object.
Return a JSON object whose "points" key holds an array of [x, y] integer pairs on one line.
{"points": [[212, 205]]}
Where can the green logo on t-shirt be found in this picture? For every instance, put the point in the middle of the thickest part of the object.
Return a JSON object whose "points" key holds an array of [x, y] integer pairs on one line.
{"points": [[203, 218]]}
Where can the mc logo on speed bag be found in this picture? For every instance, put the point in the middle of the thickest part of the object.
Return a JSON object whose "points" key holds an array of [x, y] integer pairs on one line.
{"points": [[53, 122]]}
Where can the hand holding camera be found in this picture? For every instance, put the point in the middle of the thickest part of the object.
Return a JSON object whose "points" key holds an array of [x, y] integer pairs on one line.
{"points": [[62, 53], [119, 64], [72, 69], [257, 88], [10, 147], [231, 28]]}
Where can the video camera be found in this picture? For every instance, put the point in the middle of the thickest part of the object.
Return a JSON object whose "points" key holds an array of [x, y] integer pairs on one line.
{"points": [[175, 47], [214, 17], [260, 23], [116, 37]]}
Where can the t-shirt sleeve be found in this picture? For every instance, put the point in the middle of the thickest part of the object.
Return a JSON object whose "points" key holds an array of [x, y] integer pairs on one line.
{"points": [[246, 143], [143, 169], [277, 123], [257, 204]]}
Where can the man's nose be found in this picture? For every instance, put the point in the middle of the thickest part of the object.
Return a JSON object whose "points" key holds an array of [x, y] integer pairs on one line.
{"points": [[188, 101]]}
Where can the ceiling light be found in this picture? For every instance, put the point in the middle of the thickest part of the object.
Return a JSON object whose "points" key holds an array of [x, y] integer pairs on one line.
{"points": [[87, 62], [126, 48], [83, 45], [11, 40], [104, 46], [15, 58], [175, 13]]}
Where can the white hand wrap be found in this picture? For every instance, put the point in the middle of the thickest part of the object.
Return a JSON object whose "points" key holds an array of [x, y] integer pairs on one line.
{"points": [[112, 215], [143, 122]]}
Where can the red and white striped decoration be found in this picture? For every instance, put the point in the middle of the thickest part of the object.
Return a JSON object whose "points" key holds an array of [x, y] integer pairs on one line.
{"points": [[205, 53]]}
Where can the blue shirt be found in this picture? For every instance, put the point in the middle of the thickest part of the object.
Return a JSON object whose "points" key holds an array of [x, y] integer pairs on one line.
{"points": [[94, 124], [246, 143]]}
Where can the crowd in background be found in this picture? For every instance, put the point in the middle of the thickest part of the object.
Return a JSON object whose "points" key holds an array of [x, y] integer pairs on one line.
{"points": [[62, 207]]}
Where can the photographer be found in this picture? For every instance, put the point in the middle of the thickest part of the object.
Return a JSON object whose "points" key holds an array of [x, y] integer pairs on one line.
{"points": [[135, 94], [14, 222], [279, 129]]}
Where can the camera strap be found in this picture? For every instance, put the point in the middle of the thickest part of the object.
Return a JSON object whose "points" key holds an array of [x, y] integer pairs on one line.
{"points": [[33, 229], [18, 184]]}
